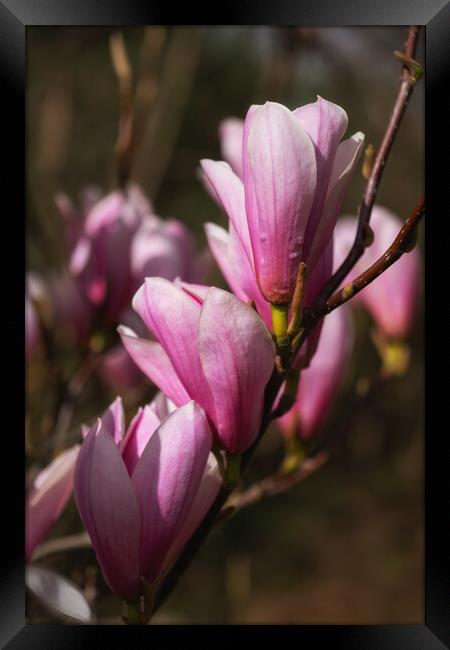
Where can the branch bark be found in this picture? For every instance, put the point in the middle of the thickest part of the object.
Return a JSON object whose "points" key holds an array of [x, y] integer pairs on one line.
{"points": [[399, 247], [278, 483]]}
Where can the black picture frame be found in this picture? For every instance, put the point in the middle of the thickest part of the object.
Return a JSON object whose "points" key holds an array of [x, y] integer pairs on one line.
{"points": [[15, 17]]}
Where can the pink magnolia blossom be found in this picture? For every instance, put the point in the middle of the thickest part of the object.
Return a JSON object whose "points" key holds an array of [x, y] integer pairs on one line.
{"points": [[209, 347], [296, 174], [48, 496], [320, 382], [143, 493], [391, 298], [115, 241]]}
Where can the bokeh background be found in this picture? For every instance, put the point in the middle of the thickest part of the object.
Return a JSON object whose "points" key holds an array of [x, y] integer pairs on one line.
{"points": [[346, 546]]}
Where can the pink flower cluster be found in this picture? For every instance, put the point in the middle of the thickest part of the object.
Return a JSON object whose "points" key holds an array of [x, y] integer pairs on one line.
{"points": [[141, 493]]}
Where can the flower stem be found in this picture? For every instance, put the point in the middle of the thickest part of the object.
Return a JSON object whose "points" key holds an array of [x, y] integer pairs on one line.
{"points": [[280, 323]]}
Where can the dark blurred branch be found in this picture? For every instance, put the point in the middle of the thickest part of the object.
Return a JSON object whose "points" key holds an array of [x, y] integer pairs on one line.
{"points": [[159, 137], [69, 397], [122, 70], [62, 545], [148, 81], [277, 484]]}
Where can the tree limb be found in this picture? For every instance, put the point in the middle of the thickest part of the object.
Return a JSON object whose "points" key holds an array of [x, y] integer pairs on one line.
{"points": [[278, 483]]}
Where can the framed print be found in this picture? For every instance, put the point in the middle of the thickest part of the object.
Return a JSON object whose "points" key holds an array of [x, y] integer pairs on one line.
{"points": [[230, 409]]}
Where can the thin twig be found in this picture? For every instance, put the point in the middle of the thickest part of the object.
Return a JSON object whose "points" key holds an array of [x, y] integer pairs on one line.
{"points": [[71, 394], [398, 248], [62, 545], [407, 82], [122, 69], [401, 245], [277, 484], [148, 83]]}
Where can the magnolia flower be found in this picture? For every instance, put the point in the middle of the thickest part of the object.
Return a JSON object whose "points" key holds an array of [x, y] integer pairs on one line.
{"points": [[141, 495], [391, 298], [296, 174], [48, 496], [320, 383], [115, 241], [209, 347]]}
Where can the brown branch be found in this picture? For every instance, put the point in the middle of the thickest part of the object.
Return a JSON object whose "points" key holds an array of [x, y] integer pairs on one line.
{"points": [[148, 82], [62, 545], [407, 82], [399, 247], [122, 70], [69, 399], [277, 484]]}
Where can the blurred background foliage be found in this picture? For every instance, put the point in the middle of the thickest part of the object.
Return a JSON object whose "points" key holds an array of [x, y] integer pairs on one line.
{"points": [[346, 546]]}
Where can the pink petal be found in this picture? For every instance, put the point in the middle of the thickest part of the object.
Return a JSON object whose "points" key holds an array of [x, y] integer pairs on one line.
{"points": [[347, 157], [48, 497], [280, 183], [161, 405], [80, 256], [237, 355], [246, 276], [141, 428], [153, 253], [219, 240], [325, 123], [108, 507], [230, 133], [230, 194], [234, 264], [113, 420], [209, 487], [104, 213], [172, 316], [196, 291], [166, 480], [150, 357]]}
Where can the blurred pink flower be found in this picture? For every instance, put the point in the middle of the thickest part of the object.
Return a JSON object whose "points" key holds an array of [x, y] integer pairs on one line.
{"points": [[209, 347], [231, 132], [116, 241], [142, 494], [391, 298], [320, 383], [118, 370], [48, 496]]}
